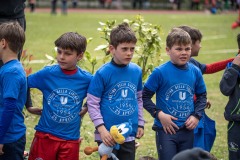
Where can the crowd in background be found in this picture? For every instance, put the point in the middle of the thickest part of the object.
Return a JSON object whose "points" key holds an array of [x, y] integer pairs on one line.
{"points": [[212, 5]]}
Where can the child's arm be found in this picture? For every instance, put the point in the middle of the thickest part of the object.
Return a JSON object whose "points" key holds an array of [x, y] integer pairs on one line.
{"points": [[208, 104], [166, 120], [212, 67], [192, 122], [84, 110], [217, 66], [10, 105], [1, 149], [200, 104], [141, 121], [105, 136], [96, 117], [230, 77], [140, 132], [148, 103], [29, 106]]}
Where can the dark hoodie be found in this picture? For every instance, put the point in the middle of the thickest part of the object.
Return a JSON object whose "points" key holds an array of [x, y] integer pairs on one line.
{"points": [[12, 9], [229, 86]]}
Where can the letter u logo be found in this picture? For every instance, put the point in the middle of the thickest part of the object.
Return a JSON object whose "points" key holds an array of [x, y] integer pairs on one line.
{"points": [[63, 100], [124, 93], [182, 95]]}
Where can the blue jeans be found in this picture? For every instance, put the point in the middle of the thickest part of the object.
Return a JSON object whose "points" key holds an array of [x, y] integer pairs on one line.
{"points": [[169, 145], [15, 150]]}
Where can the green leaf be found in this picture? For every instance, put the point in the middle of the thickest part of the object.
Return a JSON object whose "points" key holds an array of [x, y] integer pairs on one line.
{"points": [[89, 40]]}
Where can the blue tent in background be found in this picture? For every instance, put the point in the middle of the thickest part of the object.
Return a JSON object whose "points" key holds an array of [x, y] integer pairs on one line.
{"points": [[205, 133]]}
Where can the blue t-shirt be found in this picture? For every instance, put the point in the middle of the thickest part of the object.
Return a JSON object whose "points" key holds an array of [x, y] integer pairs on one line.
{"points": [[62, 100], [13, 84], [175, 89], [117, 88]]}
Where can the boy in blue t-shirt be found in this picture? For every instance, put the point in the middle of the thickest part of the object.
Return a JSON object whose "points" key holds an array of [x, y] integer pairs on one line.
{"points": [[13, 89], [115, 93], [175, 83], [64, 86]]}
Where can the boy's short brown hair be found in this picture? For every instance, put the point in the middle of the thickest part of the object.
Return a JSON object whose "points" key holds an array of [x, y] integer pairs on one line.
{"points": [[122, 34], [194, 33], [179, 37], [14, 35], [73, 41]]}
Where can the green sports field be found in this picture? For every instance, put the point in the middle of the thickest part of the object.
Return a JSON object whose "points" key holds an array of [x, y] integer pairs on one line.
{"points": [[218, 43]]}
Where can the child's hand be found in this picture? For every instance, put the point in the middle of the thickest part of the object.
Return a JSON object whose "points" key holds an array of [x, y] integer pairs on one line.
{"points": [[106, 136], [208, 105], [236, 60], [140, 132], [191, 123], [35, 110], [1, 151], [168, 125], [83, 111]]}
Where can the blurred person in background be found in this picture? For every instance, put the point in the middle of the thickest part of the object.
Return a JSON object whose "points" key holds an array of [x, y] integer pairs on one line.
{"points": [[13, 10]]}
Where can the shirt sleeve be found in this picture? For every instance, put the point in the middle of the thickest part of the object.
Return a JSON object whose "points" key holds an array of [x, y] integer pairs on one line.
{"points": [[148, 103], [9, 105], [96, 86], [140, 109], [35, 80], [229, 79], [217, 66], [11, 85], [201, 96], [200, 85], [29, 99], [200, 105], [94, 95], [94, 110], [153, 81]]}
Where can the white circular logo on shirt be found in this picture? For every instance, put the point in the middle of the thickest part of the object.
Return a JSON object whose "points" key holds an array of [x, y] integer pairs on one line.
{"points": [[180, 105], [123, 98], [62, 101]]}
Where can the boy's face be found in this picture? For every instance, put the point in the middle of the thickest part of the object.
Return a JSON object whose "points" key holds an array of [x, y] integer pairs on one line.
{"points": [[67, 58], [123, 53], [196, 48], [179, 54]]}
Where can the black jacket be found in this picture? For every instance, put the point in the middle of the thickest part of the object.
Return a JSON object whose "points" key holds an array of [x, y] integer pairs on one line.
{"points": [[229, 86], [12, 9]]}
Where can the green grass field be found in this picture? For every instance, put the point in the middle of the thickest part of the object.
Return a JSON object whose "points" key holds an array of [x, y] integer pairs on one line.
{"points": [[219, 42]]}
